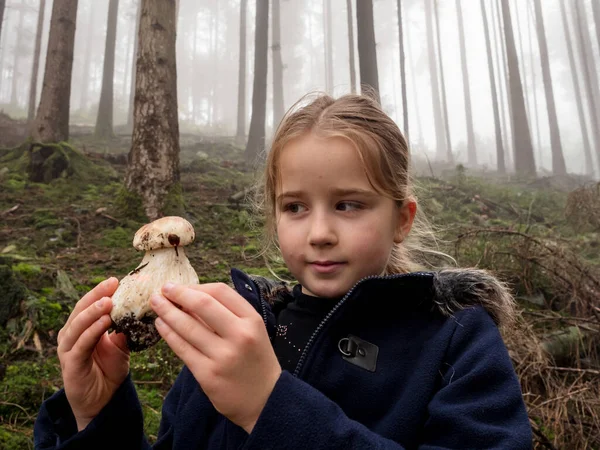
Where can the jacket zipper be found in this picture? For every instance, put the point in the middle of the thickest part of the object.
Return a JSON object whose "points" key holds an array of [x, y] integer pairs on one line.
{"points": [[338, 305]]}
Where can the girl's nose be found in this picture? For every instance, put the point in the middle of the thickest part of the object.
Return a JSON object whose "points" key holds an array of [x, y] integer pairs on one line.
{"points": [[322, 231]]}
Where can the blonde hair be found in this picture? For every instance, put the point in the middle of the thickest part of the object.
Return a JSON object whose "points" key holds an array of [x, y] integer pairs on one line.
{"points": [[382, 149]]}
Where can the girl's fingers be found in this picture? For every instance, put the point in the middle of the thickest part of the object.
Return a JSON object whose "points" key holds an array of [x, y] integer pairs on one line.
{"points": [[70, 334], [211, 311], [105, 288], [194, 359], [85, 345], [186, 326], [227, 296]]}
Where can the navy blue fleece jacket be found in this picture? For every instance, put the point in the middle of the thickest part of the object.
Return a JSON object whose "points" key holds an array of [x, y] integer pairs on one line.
{"points": [[401, 362]]}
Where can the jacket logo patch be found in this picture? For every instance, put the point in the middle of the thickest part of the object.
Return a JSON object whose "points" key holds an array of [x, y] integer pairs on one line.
{"points": [[359, 352]]}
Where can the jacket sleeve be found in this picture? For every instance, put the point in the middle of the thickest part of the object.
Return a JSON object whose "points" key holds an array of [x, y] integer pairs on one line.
{"points": [[119, 425], [479, 403]]}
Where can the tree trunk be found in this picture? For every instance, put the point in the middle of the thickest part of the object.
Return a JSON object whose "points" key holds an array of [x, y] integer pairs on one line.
{"points": [[503, 66], [14, 99], [524, 160], [535, 115], [104, 119], [558, 160], [350, 21], [278, 108], [2, 8], [501, 164], [52, 121], [449, 154], [36, 63], [442, 150], [256, 137], [471, 151], [327, 46], [403, 72], [85, 81], [134, 64], [367, 52], [589, 74], [589, 170], [596, 13], [241, 111], [154, 156], [415, 96]]}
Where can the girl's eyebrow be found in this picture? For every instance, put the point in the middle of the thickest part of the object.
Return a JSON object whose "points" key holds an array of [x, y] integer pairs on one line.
{"points": [[337, 191]]}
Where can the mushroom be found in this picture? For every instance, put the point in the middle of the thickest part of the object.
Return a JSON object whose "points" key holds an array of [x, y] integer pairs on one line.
{"points": [[164, 261]]}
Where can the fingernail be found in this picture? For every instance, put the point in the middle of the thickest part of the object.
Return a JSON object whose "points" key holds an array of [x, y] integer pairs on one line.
{"points": [[156, 300], [168, 287], [100, 303]]}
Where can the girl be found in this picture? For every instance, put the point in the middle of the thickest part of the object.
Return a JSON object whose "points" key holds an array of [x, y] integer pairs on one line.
{"points": [[363, 353]]}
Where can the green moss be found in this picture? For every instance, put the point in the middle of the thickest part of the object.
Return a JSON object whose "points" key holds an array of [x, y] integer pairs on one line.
{"points": [[129, 205], [151, 401], [117, 238], [96, 280], [18, 438], [174, 204], [26, 270], [44, 217]]}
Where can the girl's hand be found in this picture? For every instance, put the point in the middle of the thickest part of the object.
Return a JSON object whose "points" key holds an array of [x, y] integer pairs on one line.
{"points": [[93, 362], [224, 343]]}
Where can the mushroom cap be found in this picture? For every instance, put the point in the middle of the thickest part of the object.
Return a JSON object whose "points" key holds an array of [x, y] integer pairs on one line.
{"points": [[170, 231]]}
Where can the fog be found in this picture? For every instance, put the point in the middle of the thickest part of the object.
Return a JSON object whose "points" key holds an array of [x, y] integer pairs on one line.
{"points": [[207, 66]]}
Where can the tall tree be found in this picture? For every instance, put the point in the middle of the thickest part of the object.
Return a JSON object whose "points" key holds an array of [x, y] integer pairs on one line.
{"points": [[436, 15], [403, 71], [327, 46], [524, 160], [589, 74], [441, 143], [589, 166], [18, 52], [471, 152], [278, 109], [52, 120], [256, 135], [596, 12], [534, 116], [87, 63], [558, 160], [136, 37], [241, 109], [350, 21], [104, 119], [367, 52], [153, 168], [2, 8], [36, 62], [500, 161]]}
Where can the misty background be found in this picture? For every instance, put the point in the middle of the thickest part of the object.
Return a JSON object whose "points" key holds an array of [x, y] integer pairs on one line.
{"points": [[207, 66]]}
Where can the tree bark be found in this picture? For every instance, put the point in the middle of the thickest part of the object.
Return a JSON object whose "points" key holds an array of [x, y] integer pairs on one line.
{"points": [[52, 121], [278, 108], [403, 72], [154, 156], [442, 150], [503, 76], [104, 119], [134, 64], [524, 160], [241, 111], [589, 74], [449, 155], [596, 13], [85, 79], [589, 169], [558, 160], [367, 52], [2, 8], [350, 21], [327, 46], [256, 137], [36, 63], [535, 115], [471, 151], [500, 162]]}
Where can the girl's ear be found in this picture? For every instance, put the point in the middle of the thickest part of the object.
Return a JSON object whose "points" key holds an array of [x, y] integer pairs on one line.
{"points": [[406, 216]]}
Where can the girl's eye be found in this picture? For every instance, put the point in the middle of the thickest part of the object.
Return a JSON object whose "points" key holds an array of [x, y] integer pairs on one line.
{"points": [[349, 206], [294, 208]]}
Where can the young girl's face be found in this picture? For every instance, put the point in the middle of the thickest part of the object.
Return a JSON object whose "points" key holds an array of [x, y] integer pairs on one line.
{"points": [[333, 228]]}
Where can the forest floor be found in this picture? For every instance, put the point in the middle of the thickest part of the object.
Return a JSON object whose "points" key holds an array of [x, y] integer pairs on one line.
{"points": [[58, 240]]}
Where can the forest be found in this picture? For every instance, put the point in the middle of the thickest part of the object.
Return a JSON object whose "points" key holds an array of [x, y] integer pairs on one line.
{"points": [[114, 113]]}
